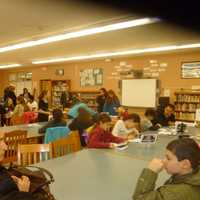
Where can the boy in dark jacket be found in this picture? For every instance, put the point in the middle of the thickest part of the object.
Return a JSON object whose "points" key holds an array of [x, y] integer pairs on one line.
{"points": [[182, 162]]}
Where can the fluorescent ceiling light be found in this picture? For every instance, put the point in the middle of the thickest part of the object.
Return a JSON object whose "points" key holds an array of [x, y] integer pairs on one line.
{"points": [[85, 32], [119, 53], [9, 66]]}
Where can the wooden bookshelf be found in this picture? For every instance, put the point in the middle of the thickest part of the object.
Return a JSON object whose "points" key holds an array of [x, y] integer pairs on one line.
{"points": [[186, 104], [88, 97]]}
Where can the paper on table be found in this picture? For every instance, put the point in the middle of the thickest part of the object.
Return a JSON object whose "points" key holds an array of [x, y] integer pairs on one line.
{"points": [[137, 140], [122, 148]]}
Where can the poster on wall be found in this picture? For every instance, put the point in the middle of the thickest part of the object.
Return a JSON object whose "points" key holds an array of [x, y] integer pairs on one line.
{"points": [[190, 70], [91, 77]]}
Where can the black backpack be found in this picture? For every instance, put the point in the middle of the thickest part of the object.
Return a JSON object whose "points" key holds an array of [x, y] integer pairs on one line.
{"points": [[40, 179]]}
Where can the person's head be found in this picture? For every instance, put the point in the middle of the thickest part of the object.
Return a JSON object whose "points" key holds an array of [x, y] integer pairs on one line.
{"points": [[120, 110], [31, 98], [9, 101], [111, 96], [104, 121], [3, 148], [182, 156], [103, 91], [43, 95], [20, 100], [132, 121], [150, 113], [57, 114], [25, 90], [76, 98], [12, 87], [169, 110]]}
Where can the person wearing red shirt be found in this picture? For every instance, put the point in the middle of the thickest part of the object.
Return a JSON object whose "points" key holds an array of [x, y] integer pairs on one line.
{"points": [[101, 137]]}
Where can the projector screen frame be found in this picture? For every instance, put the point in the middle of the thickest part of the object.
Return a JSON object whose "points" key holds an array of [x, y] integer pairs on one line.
{"points": [[156, 93]]}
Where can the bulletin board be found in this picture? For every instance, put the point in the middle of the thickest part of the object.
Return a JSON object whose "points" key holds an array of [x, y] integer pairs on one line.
{"points": [[91, 77]]}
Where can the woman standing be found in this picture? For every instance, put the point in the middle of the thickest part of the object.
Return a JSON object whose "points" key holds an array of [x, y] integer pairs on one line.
{"points": [[43, 114], [111, 104], [26, 94], [101, 98]]}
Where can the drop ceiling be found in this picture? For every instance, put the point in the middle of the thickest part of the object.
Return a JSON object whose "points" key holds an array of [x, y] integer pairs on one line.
{"points": [[23, 20]]}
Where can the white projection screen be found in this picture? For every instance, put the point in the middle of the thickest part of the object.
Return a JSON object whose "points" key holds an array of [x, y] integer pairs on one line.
{"points": [[139, 92]]}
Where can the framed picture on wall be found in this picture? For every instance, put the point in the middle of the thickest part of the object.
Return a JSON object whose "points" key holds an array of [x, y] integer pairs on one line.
{"points": [[91, 77], [190, 69]]}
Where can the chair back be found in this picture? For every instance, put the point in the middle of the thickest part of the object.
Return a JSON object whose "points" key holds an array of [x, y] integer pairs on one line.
{"points": [[55, 133], [12, 139], [66, 145], [33, 153]]}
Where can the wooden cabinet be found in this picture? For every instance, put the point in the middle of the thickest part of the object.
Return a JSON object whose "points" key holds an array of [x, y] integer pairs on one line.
{"points": [[186, 104]]}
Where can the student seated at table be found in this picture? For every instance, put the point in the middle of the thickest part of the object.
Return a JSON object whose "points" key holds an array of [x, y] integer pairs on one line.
{"points": [[12, 187], [19, 108], [148, 121], [101, 137], [83, 121], [182, 162], [56, 121], [32, 104], [127, 127], [165, 117]]}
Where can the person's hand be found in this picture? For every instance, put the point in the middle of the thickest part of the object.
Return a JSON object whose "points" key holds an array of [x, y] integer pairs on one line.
{"points": [[158, 125], [112, 145], [156, 165], [22, 183], [130, 136]]}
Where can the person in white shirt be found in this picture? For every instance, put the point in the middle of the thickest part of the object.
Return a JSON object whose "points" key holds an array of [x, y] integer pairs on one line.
{"points": [[32, 104], [128, 127]]}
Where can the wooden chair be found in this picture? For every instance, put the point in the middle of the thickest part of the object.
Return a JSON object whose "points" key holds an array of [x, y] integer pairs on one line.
{"points": [[33, 153], [66, 145], [12, 139]]}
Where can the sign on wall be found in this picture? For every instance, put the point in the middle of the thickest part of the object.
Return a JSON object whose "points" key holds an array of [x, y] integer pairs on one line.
{"points": [[91, 77]]}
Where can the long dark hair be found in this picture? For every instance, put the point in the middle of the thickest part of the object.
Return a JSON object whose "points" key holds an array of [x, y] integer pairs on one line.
{"points": [[57, 115], [104, 91], [109, 99]]}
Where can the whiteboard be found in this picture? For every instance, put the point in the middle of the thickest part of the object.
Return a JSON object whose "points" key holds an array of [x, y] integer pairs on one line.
{"points": [[139, 92]]}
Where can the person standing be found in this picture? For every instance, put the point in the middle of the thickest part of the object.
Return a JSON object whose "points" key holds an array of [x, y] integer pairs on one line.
{"points": [[43, 114], [101, 98], [9, 92], [111, 104], [26, 95], [66, 98]]}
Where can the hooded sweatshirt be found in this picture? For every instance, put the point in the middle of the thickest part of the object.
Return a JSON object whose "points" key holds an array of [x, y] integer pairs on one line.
{"points": [[179, 187]]}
